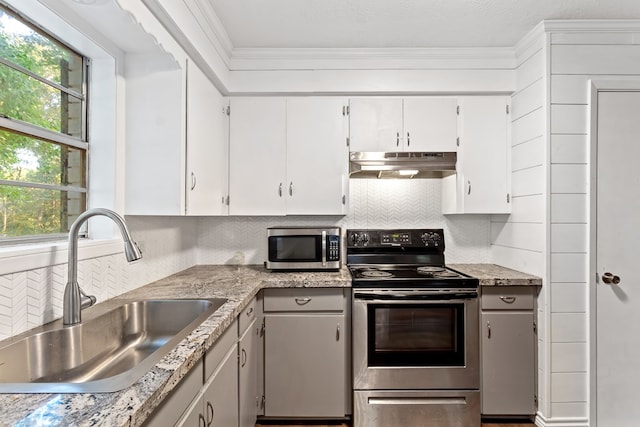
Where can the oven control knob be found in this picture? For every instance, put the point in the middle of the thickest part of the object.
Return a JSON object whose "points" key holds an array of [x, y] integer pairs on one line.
{"points": [[426, 239], [364, 239]]}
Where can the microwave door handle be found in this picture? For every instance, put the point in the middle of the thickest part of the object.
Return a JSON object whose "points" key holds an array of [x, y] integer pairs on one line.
{"points": [[324, 248]]}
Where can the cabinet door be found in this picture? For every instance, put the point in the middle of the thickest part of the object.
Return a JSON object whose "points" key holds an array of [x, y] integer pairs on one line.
{"points": [[484, 155], [207, 146], [430, 124], [317, 156], [305, 369], [375, 124], [508, 363], [155, 154], [220, 393], [193, 416], [248, 376], [257, 156]]}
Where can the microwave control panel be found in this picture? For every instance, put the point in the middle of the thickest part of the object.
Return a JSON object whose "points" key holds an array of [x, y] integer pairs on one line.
{"points": [[333, 248]]}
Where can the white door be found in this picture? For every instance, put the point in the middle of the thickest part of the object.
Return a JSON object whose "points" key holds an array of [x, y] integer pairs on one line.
{"points": [[257, 156], [618, 234], [317, 156]]}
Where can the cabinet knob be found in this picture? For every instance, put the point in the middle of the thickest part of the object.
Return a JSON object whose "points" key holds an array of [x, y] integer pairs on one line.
{"points": [[201, 421], [408, 139], [303, 301], [469, 190], [488, 329], [397, 139], [338, 333], [291, 188], [280, 190], [243, 360], [508, 300], [610, 278], [193, 181]]}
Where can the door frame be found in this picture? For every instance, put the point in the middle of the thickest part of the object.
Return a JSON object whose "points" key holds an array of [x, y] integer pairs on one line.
{"points": [[596, 86]]}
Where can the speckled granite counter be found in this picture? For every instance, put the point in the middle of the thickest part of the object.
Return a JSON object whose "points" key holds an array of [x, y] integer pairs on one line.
{"points": [[495, 275], [131, 406]]}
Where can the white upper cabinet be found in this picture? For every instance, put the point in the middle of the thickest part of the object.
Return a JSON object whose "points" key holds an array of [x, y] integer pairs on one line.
{"points": [[207, 146], [482, 181], [177, 139], [375, 124], [288, 156], [430, 124], [257, 156], [317, 156], [409, 124]]}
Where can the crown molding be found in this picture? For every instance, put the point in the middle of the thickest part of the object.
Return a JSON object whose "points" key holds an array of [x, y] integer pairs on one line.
{"points": [[246, 59], [591, 25], [216, 32]]}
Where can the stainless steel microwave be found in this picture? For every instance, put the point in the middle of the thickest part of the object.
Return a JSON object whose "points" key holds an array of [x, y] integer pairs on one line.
{"points": [[303, 248]]}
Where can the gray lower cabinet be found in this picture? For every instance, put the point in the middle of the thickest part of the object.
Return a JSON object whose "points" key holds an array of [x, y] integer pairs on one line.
{"points": [[508, 353], [305, 353], [248, 369]]}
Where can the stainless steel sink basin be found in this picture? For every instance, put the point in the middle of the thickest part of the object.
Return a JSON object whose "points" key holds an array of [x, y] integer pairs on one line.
{"points": [[105, 353]]}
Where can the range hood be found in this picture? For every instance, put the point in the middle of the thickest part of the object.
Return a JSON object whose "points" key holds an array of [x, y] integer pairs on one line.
{"points": [[401, 164]]}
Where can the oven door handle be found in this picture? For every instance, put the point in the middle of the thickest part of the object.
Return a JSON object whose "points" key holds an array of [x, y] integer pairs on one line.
{"points": [[414, 296]]}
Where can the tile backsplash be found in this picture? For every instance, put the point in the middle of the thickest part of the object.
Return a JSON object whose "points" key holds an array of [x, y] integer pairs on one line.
{"points": [[373, 204], [31, 298]]}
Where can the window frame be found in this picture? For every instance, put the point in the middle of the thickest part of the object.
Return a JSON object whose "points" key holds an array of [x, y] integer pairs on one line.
{"points": [[20, 127]]}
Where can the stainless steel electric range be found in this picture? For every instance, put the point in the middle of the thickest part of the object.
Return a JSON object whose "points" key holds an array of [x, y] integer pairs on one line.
{"points": [[415, 332]]}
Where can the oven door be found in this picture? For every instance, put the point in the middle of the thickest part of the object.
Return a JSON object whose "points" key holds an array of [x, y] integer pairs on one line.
{"points": [[415, 339]]}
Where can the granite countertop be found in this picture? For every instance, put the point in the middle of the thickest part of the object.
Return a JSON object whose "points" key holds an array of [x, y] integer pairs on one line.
{"points": [[495, 275], [131, 406], [239, 284]]}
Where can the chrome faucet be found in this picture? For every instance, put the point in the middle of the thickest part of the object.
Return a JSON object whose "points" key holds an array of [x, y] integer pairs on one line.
{"points": [[75, 299]]}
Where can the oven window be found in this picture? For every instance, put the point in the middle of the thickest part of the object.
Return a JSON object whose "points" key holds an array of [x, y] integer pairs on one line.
{"points": [[294, 248], [416, 334]]}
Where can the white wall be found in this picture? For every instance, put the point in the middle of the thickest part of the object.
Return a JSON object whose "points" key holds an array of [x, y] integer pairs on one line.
{"points": [[575, 59]]}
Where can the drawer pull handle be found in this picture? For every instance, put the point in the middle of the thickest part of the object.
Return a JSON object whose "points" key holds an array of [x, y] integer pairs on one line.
{"points": [[508, 300], [338, 333], [250, 312], [303, 301], [488, 329], [244, 358], [210, 413]]}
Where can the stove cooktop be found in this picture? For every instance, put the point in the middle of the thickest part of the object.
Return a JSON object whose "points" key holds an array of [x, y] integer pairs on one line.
{"points": [[368, 275]]}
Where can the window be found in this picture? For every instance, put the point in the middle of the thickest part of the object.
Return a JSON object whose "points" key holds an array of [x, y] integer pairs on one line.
{"points": [[43, 132]]}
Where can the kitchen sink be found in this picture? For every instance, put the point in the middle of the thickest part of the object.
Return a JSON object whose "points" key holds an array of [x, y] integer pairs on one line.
{"points": [[104, 353]]}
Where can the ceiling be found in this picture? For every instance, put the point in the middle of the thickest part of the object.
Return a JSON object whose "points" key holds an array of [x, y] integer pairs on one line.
{"points": [[400, 23]]}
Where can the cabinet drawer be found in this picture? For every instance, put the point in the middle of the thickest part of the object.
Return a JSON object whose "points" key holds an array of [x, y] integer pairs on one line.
{"points": [[304, 299], [507, 298], [215, 354], [247, 316]]}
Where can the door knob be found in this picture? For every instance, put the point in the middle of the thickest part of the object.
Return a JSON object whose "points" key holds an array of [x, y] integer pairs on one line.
{"points": [[610, 279]]}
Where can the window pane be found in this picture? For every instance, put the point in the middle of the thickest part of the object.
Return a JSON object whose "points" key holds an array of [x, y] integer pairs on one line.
{"points": [[27, 159], [36, 211], [27, 99], [28, 48]]}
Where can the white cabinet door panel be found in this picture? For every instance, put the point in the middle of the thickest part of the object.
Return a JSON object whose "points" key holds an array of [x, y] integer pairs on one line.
{"points": [[375, 124], [430, 124], [207, 146], [317, 156], [257, 156]]}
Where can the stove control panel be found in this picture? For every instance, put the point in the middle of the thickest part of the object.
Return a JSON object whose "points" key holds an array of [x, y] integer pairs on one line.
{"points": [[395, 238], [431, 239]]}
